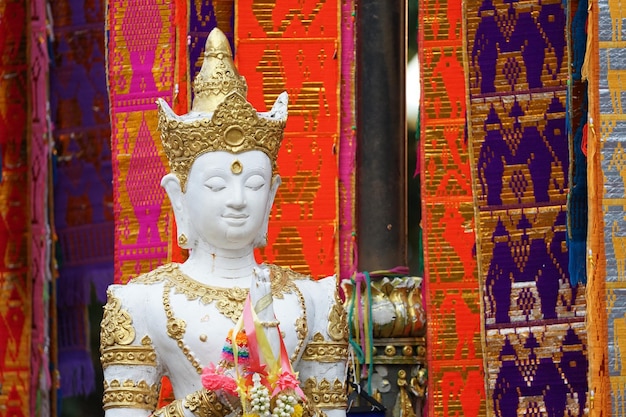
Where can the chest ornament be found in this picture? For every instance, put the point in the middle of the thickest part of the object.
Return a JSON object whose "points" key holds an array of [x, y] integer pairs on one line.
{"points": [[228, 301]]}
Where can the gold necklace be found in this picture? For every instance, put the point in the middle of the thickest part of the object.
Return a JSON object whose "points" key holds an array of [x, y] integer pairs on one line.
{"points": [[228, 301], [176, 328]]}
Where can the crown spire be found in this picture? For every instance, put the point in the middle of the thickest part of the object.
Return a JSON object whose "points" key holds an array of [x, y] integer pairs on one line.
{"points": [[218, 76]]}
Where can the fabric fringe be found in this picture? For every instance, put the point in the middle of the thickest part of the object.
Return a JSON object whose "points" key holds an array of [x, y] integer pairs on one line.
{"points": [[74, 295], [77, 373], [75, 284], [577, 115], [589, 49]]}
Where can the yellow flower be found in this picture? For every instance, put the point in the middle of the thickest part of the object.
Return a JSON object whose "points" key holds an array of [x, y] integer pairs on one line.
{"points": [[297, 410]]}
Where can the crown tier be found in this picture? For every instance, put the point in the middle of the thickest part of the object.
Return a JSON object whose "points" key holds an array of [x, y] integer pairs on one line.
{"points": [[221, 118], [235, 127]]}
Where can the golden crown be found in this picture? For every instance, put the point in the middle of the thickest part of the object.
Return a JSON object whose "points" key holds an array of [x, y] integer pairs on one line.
{"points": [[221, 119]]}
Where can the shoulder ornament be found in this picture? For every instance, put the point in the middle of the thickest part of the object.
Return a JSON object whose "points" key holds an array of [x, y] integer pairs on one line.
{"points": [[285, 274], [116, 327], [157, 275], [338, 322]]}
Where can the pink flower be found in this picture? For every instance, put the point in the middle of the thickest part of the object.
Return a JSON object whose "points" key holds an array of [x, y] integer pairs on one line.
{"points": [[287, 380], [214, 379]]}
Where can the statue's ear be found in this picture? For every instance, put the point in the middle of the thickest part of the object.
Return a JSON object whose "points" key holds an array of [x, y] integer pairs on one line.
{"points": [[261, 239], [174, 191], [276, 181]]}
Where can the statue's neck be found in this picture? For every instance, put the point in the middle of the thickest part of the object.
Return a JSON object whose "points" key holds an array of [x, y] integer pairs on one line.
{"points": [[216, 266]]}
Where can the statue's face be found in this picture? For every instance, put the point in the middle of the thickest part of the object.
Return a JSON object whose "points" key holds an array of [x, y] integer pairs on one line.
{"points": [[228, 197]]}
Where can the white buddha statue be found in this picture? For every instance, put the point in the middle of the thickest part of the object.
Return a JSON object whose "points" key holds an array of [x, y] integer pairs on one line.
{"points": [[231, 335]]}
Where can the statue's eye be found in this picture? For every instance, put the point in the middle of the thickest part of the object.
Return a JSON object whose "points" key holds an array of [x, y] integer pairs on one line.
{"points": [[255, 182], [215, 184]]}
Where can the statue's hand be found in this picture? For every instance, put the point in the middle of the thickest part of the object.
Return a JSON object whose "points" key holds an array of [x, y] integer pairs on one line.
{"points": [[261, 294], [262, 302]]}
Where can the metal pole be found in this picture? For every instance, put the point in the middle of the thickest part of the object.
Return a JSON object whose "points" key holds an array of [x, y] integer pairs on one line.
{"points": [[381, 133]]}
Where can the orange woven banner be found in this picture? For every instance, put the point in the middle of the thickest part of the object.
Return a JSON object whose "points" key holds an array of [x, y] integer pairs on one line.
{"points": [[455, 356], [295, 48]]}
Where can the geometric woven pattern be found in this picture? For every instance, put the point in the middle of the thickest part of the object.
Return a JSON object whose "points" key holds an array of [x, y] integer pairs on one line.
{"points": [[141, 61], [455, 354], [292, 47], [612, 84], [83, 193], [37, 180], [15, 275], [347, 142], [533, 319]]}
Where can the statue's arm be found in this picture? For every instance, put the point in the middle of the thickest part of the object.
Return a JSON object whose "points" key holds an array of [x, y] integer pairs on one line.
{"points": [[129, 360], [322, 367]]}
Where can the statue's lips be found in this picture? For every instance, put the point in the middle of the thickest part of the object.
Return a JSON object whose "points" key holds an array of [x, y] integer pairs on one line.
{"points": [[235, 219]]}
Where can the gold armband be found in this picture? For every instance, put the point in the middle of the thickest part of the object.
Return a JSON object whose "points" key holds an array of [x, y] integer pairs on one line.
{"points": [[321, 350], [173, 409], [130, 395], [129, 355], [309, 410], [324, 394], [204, 403]]}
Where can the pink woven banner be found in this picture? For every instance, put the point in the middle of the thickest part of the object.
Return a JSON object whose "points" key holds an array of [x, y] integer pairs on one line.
{"points": [[347, 141], [38, 152], [141, 59]]}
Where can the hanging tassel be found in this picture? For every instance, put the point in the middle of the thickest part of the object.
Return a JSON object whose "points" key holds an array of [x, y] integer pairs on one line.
{"points": [[587, 61]]}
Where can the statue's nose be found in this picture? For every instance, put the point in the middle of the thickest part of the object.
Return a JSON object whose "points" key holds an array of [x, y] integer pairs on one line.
{"points": [[237, 197]]}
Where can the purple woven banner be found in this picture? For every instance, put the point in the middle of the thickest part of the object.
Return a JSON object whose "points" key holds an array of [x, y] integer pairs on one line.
{"points": [[83, 196], [533, 319]]}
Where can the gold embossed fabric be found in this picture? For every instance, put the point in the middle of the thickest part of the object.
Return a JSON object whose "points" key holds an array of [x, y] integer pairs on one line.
{"points": [[534, 329], [293, 47], [454, 348]]}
